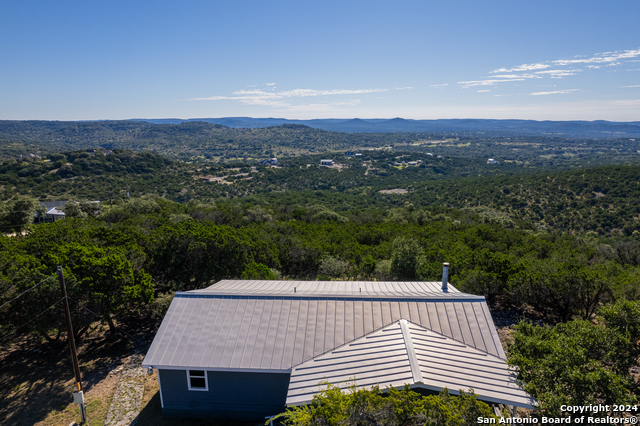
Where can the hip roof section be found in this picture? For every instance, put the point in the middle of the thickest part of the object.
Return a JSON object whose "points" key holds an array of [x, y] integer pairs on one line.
{"points": [[260, 328]]}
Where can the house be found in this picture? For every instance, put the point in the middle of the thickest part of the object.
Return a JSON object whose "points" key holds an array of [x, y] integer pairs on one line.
{"points": [[270, 162], [328, 163], [492, 161], [243, 349], [54, 210]]}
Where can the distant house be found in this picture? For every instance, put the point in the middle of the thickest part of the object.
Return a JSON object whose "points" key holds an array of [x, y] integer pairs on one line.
{"points": [[247, 349], [326, 163], [358, 154], [54, 210], [270, 162], [492, 161], [349, 154], [440, 157]]}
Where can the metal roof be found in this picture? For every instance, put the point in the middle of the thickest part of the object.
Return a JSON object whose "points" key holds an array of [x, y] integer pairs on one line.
{"points": [[406, 353], [367, 289], [267, 326]]}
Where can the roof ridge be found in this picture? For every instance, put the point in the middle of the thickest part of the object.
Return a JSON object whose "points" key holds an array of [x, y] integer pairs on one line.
{"points": [[411, 352]]}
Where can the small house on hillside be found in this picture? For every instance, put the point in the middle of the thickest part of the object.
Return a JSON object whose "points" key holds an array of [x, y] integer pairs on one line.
{"points": [[54, 210], [245, 349], [326, 162]]}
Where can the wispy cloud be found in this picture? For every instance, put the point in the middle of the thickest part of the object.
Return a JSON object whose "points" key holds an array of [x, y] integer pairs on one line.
{"points": [[635, 85], [555, 92], [525, 67], [554, 69], [270, 84], [485, 90], [601, 58], [277, 99], [404, 88], [488, 82], [440, 85], [559, 73]]}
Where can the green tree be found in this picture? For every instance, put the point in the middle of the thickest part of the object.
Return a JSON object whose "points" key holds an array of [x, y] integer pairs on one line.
{"points": [[257, 271], [579, 363], [359, 407], [405, 258], [18, 214], [102, 280]]}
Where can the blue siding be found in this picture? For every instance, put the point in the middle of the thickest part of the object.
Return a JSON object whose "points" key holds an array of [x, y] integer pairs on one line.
{"points": [[242, 396]]}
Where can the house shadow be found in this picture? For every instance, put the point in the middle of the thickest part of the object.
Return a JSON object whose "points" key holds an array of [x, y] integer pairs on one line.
{"points": [[151, 414]]}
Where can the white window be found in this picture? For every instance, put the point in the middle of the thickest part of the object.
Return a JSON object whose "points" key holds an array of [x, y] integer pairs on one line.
{"points": [[197, 380]]}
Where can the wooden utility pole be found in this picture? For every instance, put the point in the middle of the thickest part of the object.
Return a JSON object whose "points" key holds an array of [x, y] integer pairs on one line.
{"points": [[78, 396]]}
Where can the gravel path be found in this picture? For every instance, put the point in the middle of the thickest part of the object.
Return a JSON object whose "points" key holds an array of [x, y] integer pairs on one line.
{"points": [[127, 400]]}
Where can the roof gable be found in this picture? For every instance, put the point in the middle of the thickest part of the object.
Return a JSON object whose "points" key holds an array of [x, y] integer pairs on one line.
{"points": [[406, 353]]}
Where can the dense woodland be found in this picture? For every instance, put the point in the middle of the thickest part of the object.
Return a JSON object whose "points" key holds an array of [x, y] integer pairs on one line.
{"points": [[214, 143], [604, 199], [558, 243]]}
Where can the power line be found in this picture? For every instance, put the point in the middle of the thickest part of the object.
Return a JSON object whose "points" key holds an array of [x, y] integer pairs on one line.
{"points": [[90, 311], [26, 291], [37, 316]]}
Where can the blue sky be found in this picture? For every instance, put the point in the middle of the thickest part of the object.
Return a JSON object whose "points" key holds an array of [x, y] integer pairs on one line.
{"points": [[542, 60]]}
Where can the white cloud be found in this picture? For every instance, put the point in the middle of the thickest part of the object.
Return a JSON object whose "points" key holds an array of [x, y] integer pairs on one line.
{"points": [[270, 84], [440, 85], [489, 82], [507, 76], [555, 92], [602, 58], [276, 99], [637, 85], [540, 69], [404, 88], [558, 73], [525, 67], [485, 90]]}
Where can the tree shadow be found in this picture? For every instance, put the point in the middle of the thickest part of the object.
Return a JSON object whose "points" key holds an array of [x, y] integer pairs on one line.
{"points": [[37, 378]]}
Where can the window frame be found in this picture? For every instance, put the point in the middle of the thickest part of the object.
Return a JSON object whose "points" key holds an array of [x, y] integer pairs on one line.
{"points": [[206, 381]]}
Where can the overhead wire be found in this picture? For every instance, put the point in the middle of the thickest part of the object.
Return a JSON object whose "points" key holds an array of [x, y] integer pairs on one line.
{"points": [[26, 291], [94, 313], [34, 318]]}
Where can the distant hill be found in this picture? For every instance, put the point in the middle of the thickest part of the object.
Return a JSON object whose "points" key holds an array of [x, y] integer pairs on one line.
{"points": [[583, 129]]}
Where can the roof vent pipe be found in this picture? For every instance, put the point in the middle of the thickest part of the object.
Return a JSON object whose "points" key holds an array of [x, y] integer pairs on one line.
{"points": [[445, 277]]}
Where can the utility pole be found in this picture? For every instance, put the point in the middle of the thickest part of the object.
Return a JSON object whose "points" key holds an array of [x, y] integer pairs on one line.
{"points": [[78, 395]]}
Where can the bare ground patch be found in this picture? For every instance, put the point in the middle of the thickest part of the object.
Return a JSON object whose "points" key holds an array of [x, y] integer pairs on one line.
{"points": [[394, 191]]}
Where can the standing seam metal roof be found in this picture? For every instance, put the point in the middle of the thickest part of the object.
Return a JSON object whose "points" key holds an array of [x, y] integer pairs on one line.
{"points": [[406, 353], [269, 326]]}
